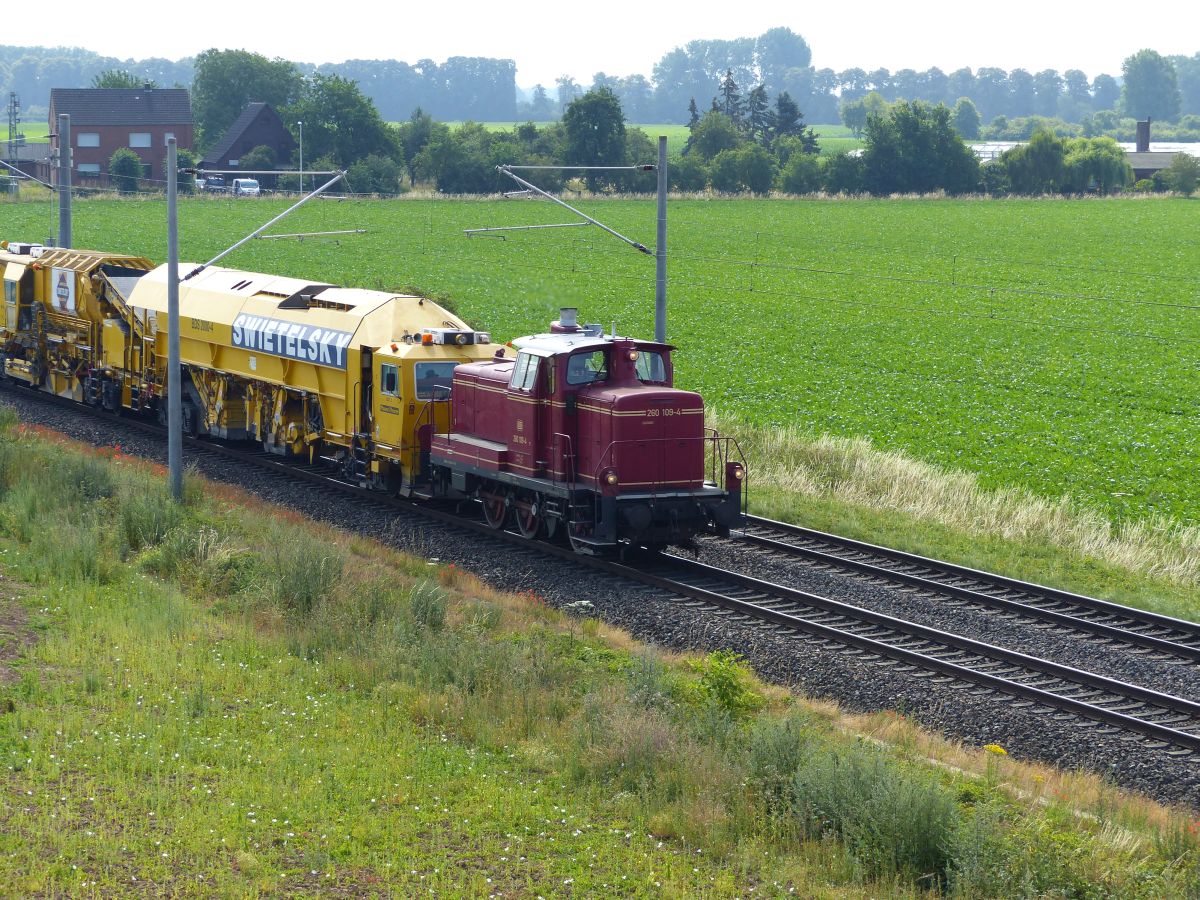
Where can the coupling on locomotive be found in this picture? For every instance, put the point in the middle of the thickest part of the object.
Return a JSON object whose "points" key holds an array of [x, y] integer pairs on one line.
{"points": [[572, 433]]}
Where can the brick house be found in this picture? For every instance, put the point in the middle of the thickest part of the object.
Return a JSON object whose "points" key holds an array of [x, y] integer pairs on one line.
{"points": [[103, 120], [257, 126]]}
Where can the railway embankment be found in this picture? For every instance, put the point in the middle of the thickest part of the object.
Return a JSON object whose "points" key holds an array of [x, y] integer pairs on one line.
{"points": [[224, 696]]}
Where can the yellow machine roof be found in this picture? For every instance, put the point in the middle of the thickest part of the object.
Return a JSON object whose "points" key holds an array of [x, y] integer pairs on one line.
{"points": [[221, 295]]}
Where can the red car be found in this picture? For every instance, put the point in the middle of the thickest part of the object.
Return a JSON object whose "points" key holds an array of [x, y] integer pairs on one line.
{"points": [[583, 434]]}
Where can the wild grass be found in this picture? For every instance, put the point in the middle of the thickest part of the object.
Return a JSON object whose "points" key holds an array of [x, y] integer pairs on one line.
{"points": [[186, 725], [852, 474]]}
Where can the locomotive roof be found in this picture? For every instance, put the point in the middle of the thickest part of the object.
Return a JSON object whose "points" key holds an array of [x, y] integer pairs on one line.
{"points": [[553, 344]]}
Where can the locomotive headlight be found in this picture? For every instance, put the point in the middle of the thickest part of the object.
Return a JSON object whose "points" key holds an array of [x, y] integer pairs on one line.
{"points": [[738, 472], [633, 355], [610, 478], [460, 339]]}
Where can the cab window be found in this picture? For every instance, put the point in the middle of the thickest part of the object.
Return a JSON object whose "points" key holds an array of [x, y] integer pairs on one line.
{"points": [[525, 370], [389, 380], [650, 367], [10, 292], [584, 368], [433, 380]]}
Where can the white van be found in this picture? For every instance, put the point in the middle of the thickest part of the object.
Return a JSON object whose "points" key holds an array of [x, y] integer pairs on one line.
{"points": [[245, 187]]}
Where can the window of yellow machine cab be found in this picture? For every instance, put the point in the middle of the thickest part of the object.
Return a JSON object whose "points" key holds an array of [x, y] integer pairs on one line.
{"points": [[433, 379]]}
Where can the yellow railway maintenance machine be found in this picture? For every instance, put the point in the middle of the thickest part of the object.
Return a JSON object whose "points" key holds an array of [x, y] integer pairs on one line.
{"points": [[360, 378], [67, 322]]}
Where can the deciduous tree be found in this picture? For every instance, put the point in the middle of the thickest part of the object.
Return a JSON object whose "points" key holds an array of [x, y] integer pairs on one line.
{"points": [[120, 78], [1150, 88], [339, 122], [226, 80], [966, 119], [595, 133], [914, 149], [714, 133]]}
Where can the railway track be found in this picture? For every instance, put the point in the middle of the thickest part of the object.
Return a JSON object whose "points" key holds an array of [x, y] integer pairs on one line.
{"points": [[1092, 700], [1074, 696], [1130, 629]]}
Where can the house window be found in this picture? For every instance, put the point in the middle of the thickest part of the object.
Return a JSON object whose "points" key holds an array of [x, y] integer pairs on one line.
{"points": [[89, 168], [87, 139], [139, 139], [233, 163]]}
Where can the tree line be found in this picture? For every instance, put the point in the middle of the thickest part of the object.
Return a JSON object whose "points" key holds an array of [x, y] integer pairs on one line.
{"points": [[484, 89]]}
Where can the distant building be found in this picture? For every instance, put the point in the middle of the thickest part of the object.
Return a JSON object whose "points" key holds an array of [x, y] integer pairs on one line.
{"points": [[103, 120], [23, 156], [257, 126]]}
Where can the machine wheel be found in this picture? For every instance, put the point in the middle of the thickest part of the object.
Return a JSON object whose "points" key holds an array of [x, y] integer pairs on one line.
{"points": [[527, 513], [574, 538], [495, 509]]}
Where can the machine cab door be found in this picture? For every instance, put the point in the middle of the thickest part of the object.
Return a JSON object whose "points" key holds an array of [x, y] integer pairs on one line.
{"points": [[523, 400], [387, 412]]}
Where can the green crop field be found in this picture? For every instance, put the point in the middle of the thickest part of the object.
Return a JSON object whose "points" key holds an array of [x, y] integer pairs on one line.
{"points": [[33, 131], [1049, 344]]}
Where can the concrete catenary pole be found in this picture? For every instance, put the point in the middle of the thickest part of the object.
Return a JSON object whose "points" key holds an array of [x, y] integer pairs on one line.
{"points": [[174, 386], [64, 180], [660, 249]]}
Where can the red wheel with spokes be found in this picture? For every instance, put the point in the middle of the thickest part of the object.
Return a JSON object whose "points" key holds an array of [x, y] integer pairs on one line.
{"points": [[527, 513], [495, 509]]}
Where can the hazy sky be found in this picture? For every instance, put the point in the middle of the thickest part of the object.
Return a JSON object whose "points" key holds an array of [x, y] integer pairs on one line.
{"points": [[623, 38]]}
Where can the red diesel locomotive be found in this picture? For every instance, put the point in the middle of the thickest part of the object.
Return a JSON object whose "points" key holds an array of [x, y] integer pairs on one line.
{"points": [[583, 434]]}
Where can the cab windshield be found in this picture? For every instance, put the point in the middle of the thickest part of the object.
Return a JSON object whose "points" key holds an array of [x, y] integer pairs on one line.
{"points": [[650, 367], [584, 368]]}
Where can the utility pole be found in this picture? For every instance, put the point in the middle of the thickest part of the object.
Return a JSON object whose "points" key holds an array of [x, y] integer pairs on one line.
{"points": [[14, 120], [64, 181], [660, 249], [174, 385]]}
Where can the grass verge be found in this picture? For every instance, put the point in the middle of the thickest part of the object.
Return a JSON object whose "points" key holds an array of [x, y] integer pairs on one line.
{"points": [[846, 486], [227, 699]]}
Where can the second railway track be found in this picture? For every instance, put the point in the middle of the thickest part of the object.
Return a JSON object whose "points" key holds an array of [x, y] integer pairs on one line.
{"points": [[1136, 630]]}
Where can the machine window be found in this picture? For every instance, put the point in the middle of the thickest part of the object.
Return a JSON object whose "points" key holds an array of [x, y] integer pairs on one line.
{"points": [[389, 380], [433, 380], [650, 367], [584, 368], [525, 371], [10, 292]]}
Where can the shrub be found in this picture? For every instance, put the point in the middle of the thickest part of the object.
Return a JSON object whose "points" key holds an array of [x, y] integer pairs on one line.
{"points": [[724, 683], [125, 168], [427, 601], [801, 174], [146, 514], [723, 172], [891, 819], [777, 748], [303, 572], [687, 173]]}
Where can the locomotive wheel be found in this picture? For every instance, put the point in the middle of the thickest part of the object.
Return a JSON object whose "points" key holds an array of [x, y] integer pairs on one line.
{"points": [[495, 509], [528, 516]]}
